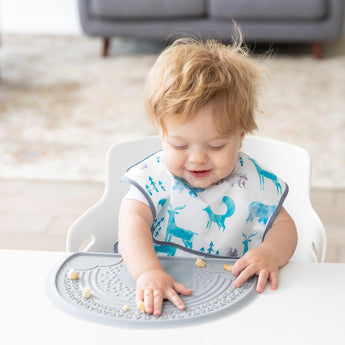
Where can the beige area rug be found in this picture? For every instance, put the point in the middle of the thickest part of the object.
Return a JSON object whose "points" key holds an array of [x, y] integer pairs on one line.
{"points": [[62, 105]]}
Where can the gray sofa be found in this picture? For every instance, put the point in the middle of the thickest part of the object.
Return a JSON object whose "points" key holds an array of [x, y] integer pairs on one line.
{"points": [[261, 21]]}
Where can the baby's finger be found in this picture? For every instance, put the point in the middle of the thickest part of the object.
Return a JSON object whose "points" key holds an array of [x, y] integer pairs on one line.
{"points": [[262, 280], [148, 300], [243, 276], [174, 298], [274, 280], [182, 289], [157, 302], [140, 295], [238, 267]]}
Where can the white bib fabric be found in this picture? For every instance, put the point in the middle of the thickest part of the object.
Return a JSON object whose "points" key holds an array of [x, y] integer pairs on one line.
{"points": [[224, 220]]}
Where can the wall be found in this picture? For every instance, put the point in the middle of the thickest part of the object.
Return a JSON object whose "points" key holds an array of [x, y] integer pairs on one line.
{"points": [[39, 17]]}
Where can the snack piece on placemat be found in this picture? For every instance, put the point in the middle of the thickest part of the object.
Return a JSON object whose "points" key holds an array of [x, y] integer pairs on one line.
{"points": [[72, 274], [200, 262], [86, 292], [227, 267]]}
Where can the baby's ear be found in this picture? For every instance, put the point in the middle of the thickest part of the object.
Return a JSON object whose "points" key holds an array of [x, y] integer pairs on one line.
{"points": [[242, 135], [160, 132]]}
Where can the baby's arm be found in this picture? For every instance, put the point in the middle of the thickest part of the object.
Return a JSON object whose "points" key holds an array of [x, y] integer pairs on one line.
{"points": [[136, 246], [274, 252]]}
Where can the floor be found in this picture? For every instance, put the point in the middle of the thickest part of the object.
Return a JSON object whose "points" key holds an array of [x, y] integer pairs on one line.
{"points": [[36, 215]]}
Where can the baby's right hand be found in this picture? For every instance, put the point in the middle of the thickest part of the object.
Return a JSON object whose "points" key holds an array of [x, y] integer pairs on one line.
{"points": [[154, 286]]}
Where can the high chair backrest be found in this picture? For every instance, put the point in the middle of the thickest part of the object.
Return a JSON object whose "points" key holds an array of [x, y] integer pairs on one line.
{"points": [[96, 229]]}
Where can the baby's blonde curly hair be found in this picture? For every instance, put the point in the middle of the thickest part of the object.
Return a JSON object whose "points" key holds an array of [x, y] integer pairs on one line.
{"points": [[191, 73]]}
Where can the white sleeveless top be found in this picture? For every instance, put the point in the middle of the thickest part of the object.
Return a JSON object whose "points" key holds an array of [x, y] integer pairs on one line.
{"points": [[224, 220]]}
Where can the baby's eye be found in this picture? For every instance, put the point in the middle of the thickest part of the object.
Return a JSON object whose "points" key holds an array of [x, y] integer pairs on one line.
{"points": [[180, 147], [215, 147]]}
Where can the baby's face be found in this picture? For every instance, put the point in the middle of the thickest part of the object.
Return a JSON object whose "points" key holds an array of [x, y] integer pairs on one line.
{"points": [[197, 153]]}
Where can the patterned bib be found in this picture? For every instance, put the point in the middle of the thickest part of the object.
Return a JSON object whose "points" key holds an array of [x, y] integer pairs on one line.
{"points": [[224, 220]]}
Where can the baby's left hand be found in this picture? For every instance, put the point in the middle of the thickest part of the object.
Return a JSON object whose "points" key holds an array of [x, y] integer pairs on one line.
{"points": [[261, 261]]}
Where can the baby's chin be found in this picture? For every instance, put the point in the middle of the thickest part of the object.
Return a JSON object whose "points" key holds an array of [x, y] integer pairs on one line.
{"points": [[198, 183]]}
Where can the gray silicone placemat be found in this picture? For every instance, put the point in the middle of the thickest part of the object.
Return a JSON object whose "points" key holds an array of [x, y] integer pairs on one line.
{"points": [[112, 287]]}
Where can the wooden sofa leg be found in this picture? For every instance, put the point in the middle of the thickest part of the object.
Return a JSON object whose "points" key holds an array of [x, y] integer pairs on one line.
{"points": [[105, 48], [317, 50]]}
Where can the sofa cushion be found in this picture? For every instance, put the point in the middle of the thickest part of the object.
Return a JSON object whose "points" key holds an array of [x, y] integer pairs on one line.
{"points": [[147, 9], [268, 9]]}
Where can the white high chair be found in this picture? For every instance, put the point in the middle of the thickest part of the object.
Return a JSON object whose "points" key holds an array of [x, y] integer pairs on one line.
{"points": [[96, 229]]}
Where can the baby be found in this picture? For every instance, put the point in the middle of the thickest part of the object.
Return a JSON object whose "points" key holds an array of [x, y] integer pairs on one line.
{"points": [[201, 195]]}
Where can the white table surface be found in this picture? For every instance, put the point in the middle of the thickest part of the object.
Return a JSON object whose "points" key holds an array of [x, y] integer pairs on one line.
{"points": [[308, 308]]}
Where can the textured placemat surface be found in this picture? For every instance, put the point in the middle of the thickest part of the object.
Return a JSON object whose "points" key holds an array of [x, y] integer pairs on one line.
{"points": [[112, 288]]}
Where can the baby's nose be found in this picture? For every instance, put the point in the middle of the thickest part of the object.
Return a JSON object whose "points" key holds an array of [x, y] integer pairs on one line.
{"points": [[198, 157]]}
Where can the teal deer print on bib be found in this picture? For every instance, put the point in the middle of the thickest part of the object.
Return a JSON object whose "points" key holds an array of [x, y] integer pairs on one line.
{"points": [[246, 240], [173, 230]]}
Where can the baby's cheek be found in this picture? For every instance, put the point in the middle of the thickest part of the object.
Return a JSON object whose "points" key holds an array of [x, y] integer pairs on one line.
{"points": [[224, 167], [226, 164], [174, 164], [174, 160]]}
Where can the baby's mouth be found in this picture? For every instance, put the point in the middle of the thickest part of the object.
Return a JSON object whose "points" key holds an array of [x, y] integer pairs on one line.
{"points": [[199, 173]]}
